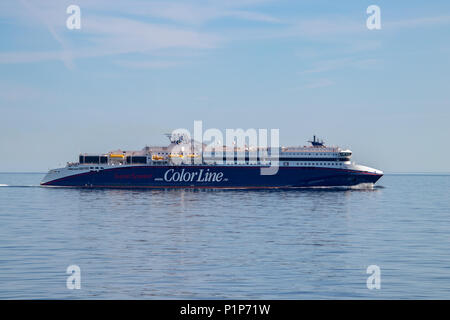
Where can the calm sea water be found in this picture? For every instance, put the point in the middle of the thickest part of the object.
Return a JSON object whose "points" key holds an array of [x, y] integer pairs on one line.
{"points": [[200, 244]]}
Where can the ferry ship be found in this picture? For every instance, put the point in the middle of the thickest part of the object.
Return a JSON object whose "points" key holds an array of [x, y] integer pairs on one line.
{"points": [[187, 164]]}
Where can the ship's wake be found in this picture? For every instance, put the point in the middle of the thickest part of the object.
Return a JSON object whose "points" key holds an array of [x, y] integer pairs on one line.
{"points": [[18, 186], [361, 186]]}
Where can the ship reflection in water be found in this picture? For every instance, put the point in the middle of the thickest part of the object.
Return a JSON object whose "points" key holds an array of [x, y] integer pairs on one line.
{"points": [[305, 243]]}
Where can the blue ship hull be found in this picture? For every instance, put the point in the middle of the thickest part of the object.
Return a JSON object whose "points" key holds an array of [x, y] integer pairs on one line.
{"points": [[214, 177]]}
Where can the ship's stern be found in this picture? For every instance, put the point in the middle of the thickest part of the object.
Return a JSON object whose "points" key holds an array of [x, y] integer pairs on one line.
{"points": [[55, 175]]}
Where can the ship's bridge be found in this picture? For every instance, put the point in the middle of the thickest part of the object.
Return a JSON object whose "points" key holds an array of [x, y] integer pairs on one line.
{"points": [[345, 154]]}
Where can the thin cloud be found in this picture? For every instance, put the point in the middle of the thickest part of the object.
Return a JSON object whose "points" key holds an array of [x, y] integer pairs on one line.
{"points": [[36, 13], [147, 64], [112, 36], [253, 16], [321, 83], [106, 31], [197, 13], [134, 35], [416, 22], [336, 64], [136, 26]]}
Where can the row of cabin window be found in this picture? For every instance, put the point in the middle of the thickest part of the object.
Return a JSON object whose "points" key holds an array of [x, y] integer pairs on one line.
{"points": [[84, 168], [290, 153], [318, 164], [308, 153], [299, 164], [285, 163]]}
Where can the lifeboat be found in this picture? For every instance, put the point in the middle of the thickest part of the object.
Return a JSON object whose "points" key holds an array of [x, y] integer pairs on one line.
{"points": [[117, 156], [155, 157]]}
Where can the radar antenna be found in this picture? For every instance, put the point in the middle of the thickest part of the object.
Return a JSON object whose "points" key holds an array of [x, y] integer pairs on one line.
{"points": [[316, 143], [176, 138]]}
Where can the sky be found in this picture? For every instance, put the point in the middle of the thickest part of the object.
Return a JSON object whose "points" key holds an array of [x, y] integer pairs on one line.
{"points": [[138, 69]]}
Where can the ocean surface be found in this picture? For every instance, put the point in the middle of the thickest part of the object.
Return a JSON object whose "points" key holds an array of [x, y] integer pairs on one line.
{"points": [[234, 244]]}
